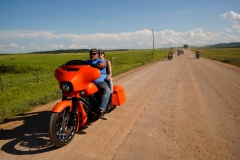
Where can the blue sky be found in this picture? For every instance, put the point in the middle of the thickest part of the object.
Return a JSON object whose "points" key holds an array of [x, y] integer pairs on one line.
{"points": [[43, 25]]}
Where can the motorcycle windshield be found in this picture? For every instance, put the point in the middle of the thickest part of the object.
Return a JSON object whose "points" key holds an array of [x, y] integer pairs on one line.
{"points": [[76, 62]]}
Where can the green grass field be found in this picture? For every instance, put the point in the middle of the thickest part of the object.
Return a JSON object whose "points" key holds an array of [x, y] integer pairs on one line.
{"points": [[225, 55], [27, 80]]}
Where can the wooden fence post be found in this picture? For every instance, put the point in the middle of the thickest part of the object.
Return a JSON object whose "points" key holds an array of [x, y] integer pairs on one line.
{"points": [[37, 75], [1, 83], [112, 59]]}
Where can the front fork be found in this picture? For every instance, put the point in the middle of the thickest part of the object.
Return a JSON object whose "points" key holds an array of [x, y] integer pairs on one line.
{"points": [[75, 102]]}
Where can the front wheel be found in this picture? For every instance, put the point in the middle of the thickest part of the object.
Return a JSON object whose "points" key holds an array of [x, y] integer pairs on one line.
{"points": [[61, 130]]}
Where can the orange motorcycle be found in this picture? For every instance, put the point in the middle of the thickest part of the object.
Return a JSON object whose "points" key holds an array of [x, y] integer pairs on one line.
{"points": [[80, 101]]}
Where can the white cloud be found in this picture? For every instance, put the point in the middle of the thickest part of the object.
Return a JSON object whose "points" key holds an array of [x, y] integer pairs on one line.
{"points": [[29, 41], [231, 16], [11, 47], [55, 46], [35, 46], [236, 26], [14, 45], [76, 46], [140, 43], [234, 38], [227, 29], [3, 48]]}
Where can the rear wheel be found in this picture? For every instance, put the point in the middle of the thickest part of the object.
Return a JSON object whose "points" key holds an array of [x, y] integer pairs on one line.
{"points": [[61, 131]]}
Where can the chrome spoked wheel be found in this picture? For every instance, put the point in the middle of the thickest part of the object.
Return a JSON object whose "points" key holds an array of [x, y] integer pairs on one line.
{"points": [[61, 130]]}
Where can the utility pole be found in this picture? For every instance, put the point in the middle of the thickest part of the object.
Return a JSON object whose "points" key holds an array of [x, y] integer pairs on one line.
{"points": [[153, 42]]}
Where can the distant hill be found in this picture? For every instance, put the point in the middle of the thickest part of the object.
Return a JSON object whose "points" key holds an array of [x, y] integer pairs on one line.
{"points": [[224, 45], [70, 51], [219, 45], [63, 51]]}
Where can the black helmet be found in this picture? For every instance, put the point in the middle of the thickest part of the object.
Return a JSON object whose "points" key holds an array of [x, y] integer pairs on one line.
{"points": [[100, 51]]}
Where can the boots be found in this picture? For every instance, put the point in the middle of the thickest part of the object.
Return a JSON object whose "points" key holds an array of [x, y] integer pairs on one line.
{"points": [[110, 100], [101, 115], [110, 106]]}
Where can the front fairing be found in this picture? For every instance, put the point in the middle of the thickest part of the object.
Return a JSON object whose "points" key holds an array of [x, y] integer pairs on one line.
{"points": [[79, 75]]}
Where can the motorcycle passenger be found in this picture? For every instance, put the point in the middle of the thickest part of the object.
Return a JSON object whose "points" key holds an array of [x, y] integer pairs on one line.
{"points": [[170, 54], [109, 74], [100, 82]]}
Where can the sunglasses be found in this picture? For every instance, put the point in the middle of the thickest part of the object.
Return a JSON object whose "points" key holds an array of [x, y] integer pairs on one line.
{"points": [[93, 53]]}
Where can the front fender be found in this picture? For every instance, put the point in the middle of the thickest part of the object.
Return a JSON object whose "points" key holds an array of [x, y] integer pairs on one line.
{"points": [[59, 107]]}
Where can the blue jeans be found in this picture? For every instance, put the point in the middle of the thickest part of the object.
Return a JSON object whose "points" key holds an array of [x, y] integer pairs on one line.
{"points": [[110, 84], [104, 89]]}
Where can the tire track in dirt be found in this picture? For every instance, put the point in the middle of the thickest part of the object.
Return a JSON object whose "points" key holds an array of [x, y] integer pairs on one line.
{"points": [[219, 110], [182, 129]]}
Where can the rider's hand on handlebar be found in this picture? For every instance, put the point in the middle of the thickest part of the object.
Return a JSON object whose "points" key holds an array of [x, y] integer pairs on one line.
{"points": [[102, 65]]}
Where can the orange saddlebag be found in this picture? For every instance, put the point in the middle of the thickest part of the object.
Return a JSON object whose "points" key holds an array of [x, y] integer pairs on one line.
{"points": [[118, 96]]}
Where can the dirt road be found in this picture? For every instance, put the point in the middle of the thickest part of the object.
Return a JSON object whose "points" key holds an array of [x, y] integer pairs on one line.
{"points": [[186, 108]]}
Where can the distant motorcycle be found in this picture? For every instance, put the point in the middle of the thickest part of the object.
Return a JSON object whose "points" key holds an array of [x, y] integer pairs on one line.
{"points": [[198, 55], [180, 51], [170, 55]]}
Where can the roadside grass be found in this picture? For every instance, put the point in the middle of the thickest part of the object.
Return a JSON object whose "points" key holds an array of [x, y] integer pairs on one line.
{"points": [[225, 55], [27, 80]]}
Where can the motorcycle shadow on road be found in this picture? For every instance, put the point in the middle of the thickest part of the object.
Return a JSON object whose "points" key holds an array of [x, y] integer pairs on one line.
{"points": [[31, 137]]}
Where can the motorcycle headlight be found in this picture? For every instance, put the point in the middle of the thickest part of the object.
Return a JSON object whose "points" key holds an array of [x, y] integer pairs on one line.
{"points": [[67, 87]]}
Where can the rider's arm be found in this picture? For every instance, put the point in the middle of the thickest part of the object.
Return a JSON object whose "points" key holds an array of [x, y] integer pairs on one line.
{"points": [[109, 68], [101, 65]]}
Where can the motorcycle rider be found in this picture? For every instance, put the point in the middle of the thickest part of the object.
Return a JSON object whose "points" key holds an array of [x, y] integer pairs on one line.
{"points": [[197, 54], [100, 82], [109, 74], [170, 54]]}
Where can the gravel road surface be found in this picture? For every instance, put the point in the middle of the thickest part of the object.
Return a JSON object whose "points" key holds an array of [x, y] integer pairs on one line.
{"points": [[185, 108]]}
